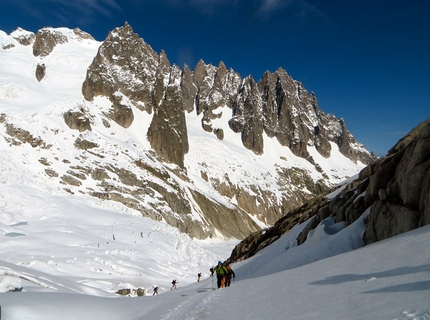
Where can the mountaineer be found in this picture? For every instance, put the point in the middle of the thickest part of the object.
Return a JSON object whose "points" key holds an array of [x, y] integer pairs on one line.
{"points": [[229, 275], [221, 273]]}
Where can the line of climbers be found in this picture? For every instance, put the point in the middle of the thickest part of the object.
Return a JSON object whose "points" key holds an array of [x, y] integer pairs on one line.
{"points": [[224, 274]]}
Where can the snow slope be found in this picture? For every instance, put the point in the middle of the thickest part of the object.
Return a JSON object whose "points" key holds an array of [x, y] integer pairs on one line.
{"points": [[322, 279]]}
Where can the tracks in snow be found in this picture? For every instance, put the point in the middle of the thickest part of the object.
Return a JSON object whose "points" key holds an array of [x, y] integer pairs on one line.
{"points": [[193, 307]]}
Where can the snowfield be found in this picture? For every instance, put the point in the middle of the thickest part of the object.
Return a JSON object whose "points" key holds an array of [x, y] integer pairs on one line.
{"points": [[325, 278]]}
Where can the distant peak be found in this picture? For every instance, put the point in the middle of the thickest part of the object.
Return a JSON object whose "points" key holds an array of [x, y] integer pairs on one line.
{"points": [[82, 34], [127, 27]]}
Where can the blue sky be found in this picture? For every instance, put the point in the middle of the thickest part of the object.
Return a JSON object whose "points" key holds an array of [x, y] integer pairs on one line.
{"points": [[367, 61]]}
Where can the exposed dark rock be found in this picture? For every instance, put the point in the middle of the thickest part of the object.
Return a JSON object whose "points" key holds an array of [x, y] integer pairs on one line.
{"points": [[228, 221], [40, 71], [24, 136], [131, 292], [277, 106], [168, 130], [77, 175], [51, 173], [120, 113], [46, 40], [82, 34], [188, 89], [132, 75], [404, 175], [26, 39], [99, 174], [84, 144], [124, 63], [261, 239], [389, 219], [77, 120], [8, 46], [66, 179], [395, 189], [44, 161], [219, 133]]}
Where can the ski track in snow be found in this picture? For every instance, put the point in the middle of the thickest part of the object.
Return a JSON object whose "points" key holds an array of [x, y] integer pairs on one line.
{"points": [[196, 307]]}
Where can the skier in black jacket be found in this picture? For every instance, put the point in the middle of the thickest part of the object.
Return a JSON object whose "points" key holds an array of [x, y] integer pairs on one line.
{"points": [[230, 274]]}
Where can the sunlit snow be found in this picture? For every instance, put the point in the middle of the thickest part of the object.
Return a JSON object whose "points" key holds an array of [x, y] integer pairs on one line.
{"points": [[64, 256]]}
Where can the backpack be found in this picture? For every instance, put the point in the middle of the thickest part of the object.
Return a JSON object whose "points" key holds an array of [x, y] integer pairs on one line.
{"points": [[220, 270]]}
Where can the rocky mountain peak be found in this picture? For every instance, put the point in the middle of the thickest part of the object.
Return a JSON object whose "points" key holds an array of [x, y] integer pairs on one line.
{"points": [[247, 116], [125, 64], [200, 72], [46, 40], [82, 34], [24, 37]]}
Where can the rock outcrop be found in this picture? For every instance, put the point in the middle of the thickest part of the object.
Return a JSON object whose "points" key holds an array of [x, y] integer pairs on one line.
{"points": [[124, 64], [77, 120], [24, 38], [82, 34], [46, 40], [395, 190], [40, 71], [399, 187]]}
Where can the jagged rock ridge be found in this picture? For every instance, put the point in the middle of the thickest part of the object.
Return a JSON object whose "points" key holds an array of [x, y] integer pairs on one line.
{"points": [[277, 104]]}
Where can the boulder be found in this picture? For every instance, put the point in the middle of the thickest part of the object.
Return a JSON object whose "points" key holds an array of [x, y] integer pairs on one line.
{"points": [[40, 71]]}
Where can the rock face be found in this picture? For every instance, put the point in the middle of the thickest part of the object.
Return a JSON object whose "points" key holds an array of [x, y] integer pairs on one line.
{"points": [[46, 40], [399, 186], [24, 38], [77, 120], [168, 131], [40, 71], [395, 189], [124, 64], [82, 34], [277, 105], [131, 74]]}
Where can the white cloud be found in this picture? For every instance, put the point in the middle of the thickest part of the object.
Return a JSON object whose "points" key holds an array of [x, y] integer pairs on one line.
{"points": [[210, 6], [300, 8], [268, 6], [90, 7], [66, 10]]}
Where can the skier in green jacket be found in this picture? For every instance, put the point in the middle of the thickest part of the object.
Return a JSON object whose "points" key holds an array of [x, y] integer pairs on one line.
{"points": [[221, 273]]}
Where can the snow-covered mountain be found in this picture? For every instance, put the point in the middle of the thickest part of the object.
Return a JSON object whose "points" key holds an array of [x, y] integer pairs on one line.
{"points": [[105, 178], [206, 151]]}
